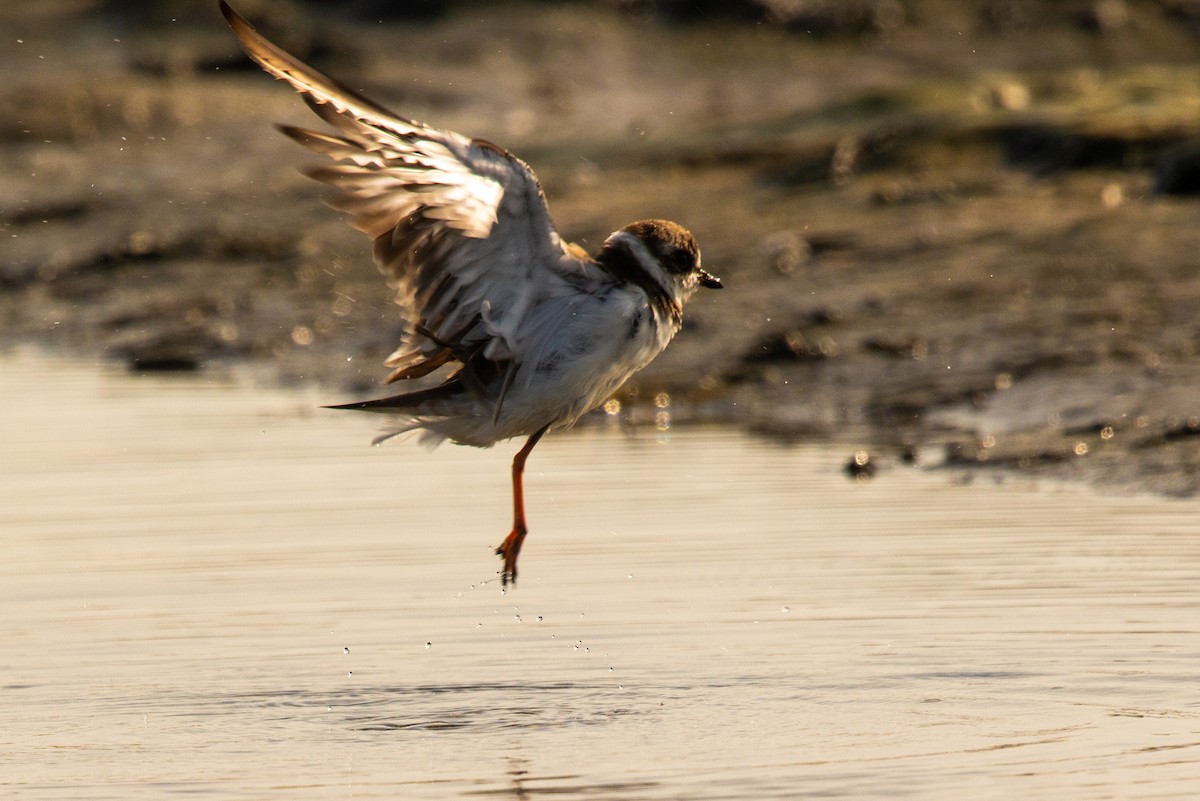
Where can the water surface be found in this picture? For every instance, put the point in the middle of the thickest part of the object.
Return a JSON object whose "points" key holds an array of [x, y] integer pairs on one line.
{"points": [[214, 590]]}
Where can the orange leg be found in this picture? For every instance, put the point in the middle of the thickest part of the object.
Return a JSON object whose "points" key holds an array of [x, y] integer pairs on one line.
{"points": [[510, 549]]}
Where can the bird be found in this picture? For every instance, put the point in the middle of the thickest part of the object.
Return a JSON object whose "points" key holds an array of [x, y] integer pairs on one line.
{"points": [[525, 331]]}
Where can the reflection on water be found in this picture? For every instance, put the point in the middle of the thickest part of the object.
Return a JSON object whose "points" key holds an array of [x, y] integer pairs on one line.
{"points": [[211, 588]]}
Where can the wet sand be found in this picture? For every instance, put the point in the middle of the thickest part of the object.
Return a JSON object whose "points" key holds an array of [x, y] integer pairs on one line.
{"points": [[963, 236]]}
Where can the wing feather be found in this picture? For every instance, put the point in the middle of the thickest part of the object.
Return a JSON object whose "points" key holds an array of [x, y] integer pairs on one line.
{"points": [[461, 227]]}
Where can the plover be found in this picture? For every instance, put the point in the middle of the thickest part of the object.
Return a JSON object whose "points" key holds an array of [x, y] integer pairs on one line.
{"points": [[529, 332]]}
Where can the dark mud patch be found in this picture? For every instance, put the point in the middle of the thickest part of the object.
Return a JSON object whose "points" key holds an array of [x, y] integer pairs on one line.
{"points": [[959, 236]]}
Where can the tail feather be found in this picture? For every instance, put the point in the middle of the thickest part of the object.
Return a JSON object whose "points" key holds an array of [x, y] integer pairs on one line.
{"points": [[406, 401]]}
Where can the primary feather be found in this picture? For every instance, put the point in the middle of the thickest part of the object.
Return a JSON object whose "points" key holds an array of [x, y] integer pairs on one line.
{"points": [[458, 223]]}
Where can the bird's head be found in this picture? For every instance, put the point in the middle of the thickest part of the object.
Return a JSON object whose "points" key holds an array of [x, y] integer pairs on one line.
{"points": [[657, 253]]}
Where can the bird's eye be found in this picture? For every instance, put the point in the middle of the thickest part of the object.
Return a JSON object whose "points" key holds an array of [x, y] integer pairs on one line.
{"points": [[681, 260]]}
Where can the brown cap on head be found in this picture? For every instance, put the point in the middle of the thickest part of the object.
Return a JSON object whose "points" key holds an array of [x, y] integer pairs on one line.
{"points": [[674, 247]]}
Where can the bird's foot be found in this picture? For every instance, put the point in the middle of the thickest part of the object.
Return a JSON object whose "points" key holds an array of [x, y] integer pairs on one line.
{"points": [[510, 549]]}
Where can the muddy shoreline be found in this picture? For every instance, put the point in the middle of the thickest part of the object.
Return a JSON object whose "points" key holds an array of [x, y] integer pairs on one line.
{"points": [[961, 238]]}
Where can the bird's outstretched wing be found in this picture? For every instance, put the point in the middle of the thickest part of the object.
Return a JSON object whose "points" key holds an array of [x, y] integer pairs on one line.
{"points": [[461, 227]]}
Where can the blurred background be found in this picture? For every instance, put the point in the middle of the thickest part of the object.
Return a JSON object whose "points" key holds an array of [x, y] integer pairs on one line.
{"points": [[956, 235], [965, 231]]}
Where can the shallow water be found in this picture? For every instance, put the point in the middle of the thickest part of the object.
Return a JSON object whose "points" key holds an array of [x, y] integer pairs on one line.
{"points": [[219, 591]]}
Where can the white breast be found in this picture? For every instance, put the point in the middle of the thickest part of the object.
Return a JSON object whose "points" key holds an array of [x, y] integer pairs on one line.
{"points": [[576, 354]]}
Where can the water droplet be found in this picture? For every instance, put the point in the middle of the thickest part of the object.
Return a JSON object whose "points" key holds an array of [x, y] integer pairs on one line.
{"points": [[302, 335], [539, 618], [786, 609], [346, 650], [428, 645], [860, 466], [1112, 195]]}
